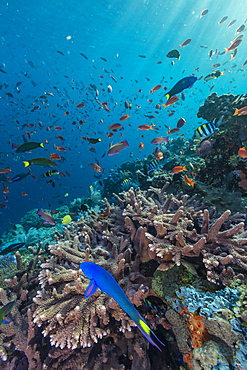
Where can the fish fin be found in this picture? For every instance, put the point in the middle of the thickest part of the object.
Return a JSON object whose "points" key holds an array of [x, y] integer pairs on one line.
{"points": [[147, 332], [219, 122], [91, 289], [42, 145], [236, 112], [6, 320], [26, 163], [167, 96]]}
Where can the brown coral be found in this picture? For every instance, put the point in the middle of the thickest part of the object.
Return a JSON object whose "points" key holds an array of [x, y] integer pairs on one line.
{"points": [[169, 228]]}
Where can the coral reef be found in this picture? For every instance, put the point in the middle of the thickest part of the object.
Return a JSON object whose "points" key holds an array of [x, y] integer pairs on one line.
{"points": [[55, 327], [168, 228]]}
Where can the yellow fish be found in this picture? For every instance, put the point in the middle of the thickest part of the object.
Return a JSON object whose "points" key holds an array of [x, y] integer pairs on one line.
{"points": [[66, 220]]}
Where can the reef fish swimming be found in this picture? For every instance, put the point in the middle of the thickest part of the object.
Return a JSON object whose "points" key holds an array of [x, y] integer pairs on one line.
{"points": [[102, 279], [49, 220], [40, 162], [25, 147], [182, 84], [4, 311], [11, 248]]}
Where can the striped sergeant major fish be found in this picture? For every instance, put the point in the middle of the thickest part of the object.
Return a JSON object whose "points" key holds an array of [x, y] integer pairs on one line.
{"points": [[103, 280], [155, 165], [207, 129]]}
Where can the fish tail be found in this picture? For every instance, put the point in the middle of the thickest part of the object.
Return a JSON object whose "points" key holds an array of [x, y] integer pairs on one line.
{"points": [[167, 96], [6, 320], [126, 143], [146, 332], [236, 112], [226, 49], [26, 163], [42, 145], [179, 58]]}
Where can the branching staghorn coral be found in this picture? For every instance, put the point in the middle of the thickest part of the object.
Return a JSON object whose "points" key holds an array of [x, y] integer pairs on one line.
{"points": [[55, 327], [167, 228]]}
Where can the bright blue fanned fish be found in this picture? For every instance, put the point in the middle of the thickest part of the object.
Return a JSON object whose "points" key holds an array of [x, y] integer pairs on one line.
{"points": [[4, 311], [181, 85], [102, 279]]}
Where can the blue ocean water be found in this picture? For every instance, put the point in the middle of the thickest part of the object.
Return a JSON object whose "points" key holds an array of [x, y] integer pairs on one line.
{"points": [[124, 44]]}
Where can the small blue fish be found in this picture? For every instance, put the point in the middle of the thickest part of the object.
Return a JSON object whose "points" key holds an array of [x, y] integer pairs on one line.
{"points": [[102, 279]]}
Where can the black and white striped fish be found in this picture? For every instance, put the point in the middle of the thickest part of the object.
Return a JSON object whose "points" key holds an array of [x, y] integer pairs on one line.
{"points": [[207, 129]]}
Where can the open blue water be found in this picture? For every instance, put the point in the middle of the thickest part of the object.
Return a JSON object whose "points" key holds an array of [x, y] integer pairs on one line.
{"points": [[41, 42]]}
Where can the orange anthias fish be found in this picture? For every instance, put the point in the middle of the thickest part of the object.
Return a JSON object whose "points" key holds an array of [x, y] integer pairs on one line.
{"points": [[146, 127], [5, 189], [96, 167], [124, 117], [106, 213], [242, 152], [189, 181], [178, 169], [173, 131], [55, 156], [155, 88], [115, 126], [60, 148], [171, 101], [5, 170], [240, 112]]}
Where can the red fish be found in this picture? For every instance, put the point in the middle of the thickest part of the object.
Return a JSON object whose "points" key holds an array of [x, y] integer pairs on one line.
{"points": [[80, 105], [96, 167], [57, 128], [159, 140], [178, 169], [173, 131], [155, 88], [171, 101], [242, 152], [60, 137], [124, 117], [146, 127], [5, 189], [5, 170], [106, 213], [241, 111], [189, 181], [60, 148], [115, 126], [55, 156]]}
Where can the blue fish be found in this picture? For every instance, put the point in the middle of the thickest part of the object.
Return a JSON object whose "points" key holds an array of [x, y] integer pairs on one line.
{"points": [[182, 84], [102, 279]]}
